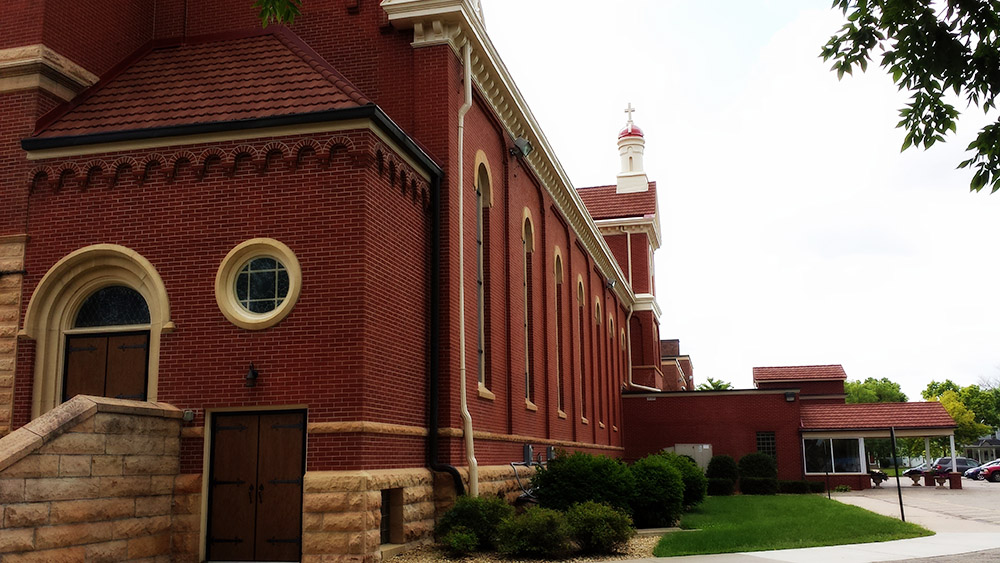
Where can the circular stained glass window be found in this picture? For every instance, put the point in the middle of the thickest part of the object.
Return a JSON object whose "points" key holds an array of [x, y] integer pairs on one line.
{"points": [[261, 284]]}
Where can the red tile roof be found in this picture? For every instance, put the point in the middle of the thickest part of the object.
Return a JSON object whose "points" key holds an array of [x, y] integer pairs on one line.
{"points": [[208, 80], [875, 415], [799, 373], [603, 203]]}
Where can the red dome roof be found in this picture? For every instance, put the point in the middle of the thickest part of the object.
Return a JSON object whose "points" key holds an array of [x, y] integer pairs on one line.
{"points": [[630, 131]]}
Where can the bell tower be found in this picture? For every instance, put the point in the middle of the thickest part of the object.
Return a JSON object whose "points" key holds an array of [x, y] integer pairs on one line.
{"points": [[631, 145]]}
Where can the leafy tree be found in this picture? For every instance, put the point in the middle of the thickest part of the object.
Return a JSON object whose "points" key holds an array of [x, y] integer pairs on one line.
{"points": [[931, 49], [714, 385], [935, 389], [968, 428], [985, 403], [874, 390]]}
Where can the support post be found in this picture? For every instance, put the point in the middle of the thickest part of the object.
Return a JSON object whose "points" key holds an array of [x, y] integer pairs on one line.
{"points": [[953, 464]]}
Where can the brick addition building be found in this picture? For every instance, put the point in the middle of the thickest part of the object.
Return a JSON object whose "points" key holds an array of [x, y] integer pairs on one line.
{"points": [[282, 294]]}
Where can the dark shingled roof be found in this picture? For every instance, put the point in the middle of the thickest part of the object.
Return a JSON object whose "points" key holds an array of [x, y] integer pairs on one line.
{"points": [[875, 416], [603, 203], [205, 80], [799, 373]]}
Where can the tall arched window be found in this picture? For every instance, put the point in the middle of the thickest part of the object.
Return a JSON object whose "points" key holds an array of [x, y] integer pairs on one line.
{"points": [[612, 373], [484, 199], [560, 385], [581, 318], [599, 367], [528, 244]]}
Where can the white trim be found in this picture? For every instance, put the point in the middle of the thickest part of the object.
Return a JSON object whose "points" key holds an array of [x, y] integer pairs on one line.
{"points": [[229, 268]]}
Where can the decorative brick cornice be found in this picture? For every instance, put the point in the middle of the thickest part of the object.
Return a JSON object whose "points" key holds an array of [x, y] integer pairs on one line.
{"points": [[649, 226], [455, 22], [37, 66]]}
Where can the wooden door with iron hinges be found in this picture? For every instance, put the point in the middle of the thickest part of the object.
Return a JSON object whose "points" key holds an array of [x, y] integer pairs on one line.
{"points": [[107, 365], [255, 486]]}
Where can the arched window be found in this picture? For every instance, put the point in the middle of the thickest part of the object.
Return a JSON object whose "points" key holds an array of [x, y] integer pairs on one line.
{"points": [[581, 316], [107, 347], [599, 367], [484, 198], [96, 318], [528, 243], [560, 385]]}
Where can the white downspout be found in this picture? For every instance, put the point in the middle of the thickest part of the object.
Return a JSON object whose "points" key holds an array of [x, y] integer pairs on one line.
{"points": [[628, 325], [470, 452]]}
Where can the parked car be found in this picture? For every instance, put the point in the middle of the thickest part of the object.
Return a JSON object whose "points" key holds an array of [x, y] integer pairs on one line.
{"points": [[916, 470], [961, 464], [991, 473], [976, 472]]}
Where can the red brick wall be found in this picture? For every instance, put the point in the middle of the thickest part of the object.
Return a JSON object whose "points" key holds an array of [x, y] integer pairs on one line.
{"points": [[729, 422], [640, 263]]}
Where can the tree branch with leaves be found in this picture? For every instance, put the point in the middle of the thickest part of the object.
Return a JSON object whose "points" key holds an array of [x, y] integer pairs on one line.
{"points": [[932, 49]]}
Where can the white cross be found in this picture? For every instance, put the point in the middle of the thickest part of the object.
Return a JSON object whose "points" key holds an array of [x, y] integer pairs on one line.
{"points": [[629, 111]]}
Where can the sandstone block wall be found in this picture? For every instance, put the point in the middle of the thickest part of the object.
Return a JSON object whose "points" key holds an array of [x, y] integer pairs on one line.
{"points": [[92, 480], [11, 261]]}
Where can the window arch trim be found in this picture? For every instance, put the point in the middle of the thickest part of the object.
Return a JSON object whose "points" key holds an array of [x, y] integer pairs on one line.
{"points": [[58, 297]]}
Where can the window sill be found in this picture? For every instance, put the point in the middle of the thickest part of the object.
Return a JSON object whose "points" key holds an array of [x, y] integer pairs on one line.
{"points": [[530, 406], [562, 414], [614, 428], [600, 425], [584, 420], [485, 393]]}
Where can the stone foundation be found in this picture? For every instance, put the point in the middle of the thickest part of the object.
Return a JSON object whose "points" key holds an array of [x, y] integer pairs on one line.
{"points": [[92, 480], [11, 263]]}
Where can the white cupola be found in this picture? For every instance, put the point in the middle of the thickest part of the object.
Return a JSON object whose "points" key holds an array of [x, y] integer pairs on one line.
{"points": [[631, 144]]}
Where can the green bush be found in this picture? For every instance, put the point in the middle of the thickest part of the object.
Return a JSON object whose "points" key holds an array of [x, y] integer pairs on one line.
{"points": [[599, 528], [794, 487], [758, 486], [817, 486], [659, 492], [538, 533], [758, 465], [460, 541], [723, 467], [720, 486], [695, 482], [580, 477], [479, 515], [842, 489]]}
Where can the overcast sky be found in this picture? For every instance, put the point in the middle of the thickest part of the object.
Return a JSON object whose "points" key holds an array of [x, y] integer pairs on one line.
{"points": [[794, 230]]}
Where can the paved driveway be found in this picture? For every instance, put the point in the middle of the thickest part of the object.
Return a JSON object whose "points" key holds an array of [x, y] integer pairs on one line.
{"points": [[975, 502]]}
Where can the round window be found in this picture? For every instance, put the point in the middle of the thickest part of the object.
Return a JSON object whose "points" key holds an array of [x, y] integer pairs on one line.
{"points": [[261, 284], [258, 283]]}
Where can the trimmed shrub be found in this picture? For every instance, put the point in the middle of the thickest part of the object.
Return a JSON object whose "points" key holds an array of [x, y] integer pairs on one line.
{"points": [[794, 487], [842, 489], [720, 486], [817, 486], [695, 482], [758, 486], [480, 516], [599, 528], [659, 492], [580, 477], [723, 467], [538, 533], [758, 465], [460, 541]]}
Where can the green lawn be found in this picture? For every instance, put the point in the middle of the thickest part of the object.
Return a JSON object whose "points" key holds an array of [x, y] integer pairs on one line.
{"points": [[756, 523]]}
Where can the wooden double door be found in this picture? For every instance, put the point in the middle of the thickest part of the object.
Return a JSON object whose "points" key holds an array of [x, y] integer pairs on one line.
{"points": [[255, 486], [107, 365]]}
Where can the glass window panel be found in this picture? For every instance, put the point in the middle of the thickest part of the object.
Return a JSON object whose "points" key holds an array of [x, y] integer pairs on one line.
{"points": [[262, 285], [113, 306], [817, 455], [846, 456]]}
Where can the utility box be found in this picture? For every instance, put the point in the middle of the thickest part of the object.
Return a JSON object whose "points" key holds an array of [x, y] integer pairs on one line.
{"points": [[701, 453]]}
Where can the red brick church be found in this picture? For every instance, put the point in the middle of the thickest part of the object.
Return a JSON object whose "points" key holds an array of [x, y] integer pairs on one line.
{"points": [[280, 294]]}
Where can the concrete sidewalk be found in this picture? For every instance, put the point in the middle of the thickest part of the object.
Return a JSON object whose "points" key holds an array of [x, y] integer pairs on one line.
{"points": [[954, 534]]}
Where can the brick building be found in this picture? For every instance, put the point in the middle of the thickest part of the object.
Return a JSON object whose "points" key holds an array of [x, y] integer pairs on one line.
{"points": [[339, 258]]}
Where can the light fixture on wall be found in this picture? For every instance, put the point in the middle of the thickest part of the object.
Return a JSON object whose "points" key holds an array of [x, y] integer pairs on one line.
{"points": [[790, 397], [522, 147], [251, 376], [611, 284]]}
